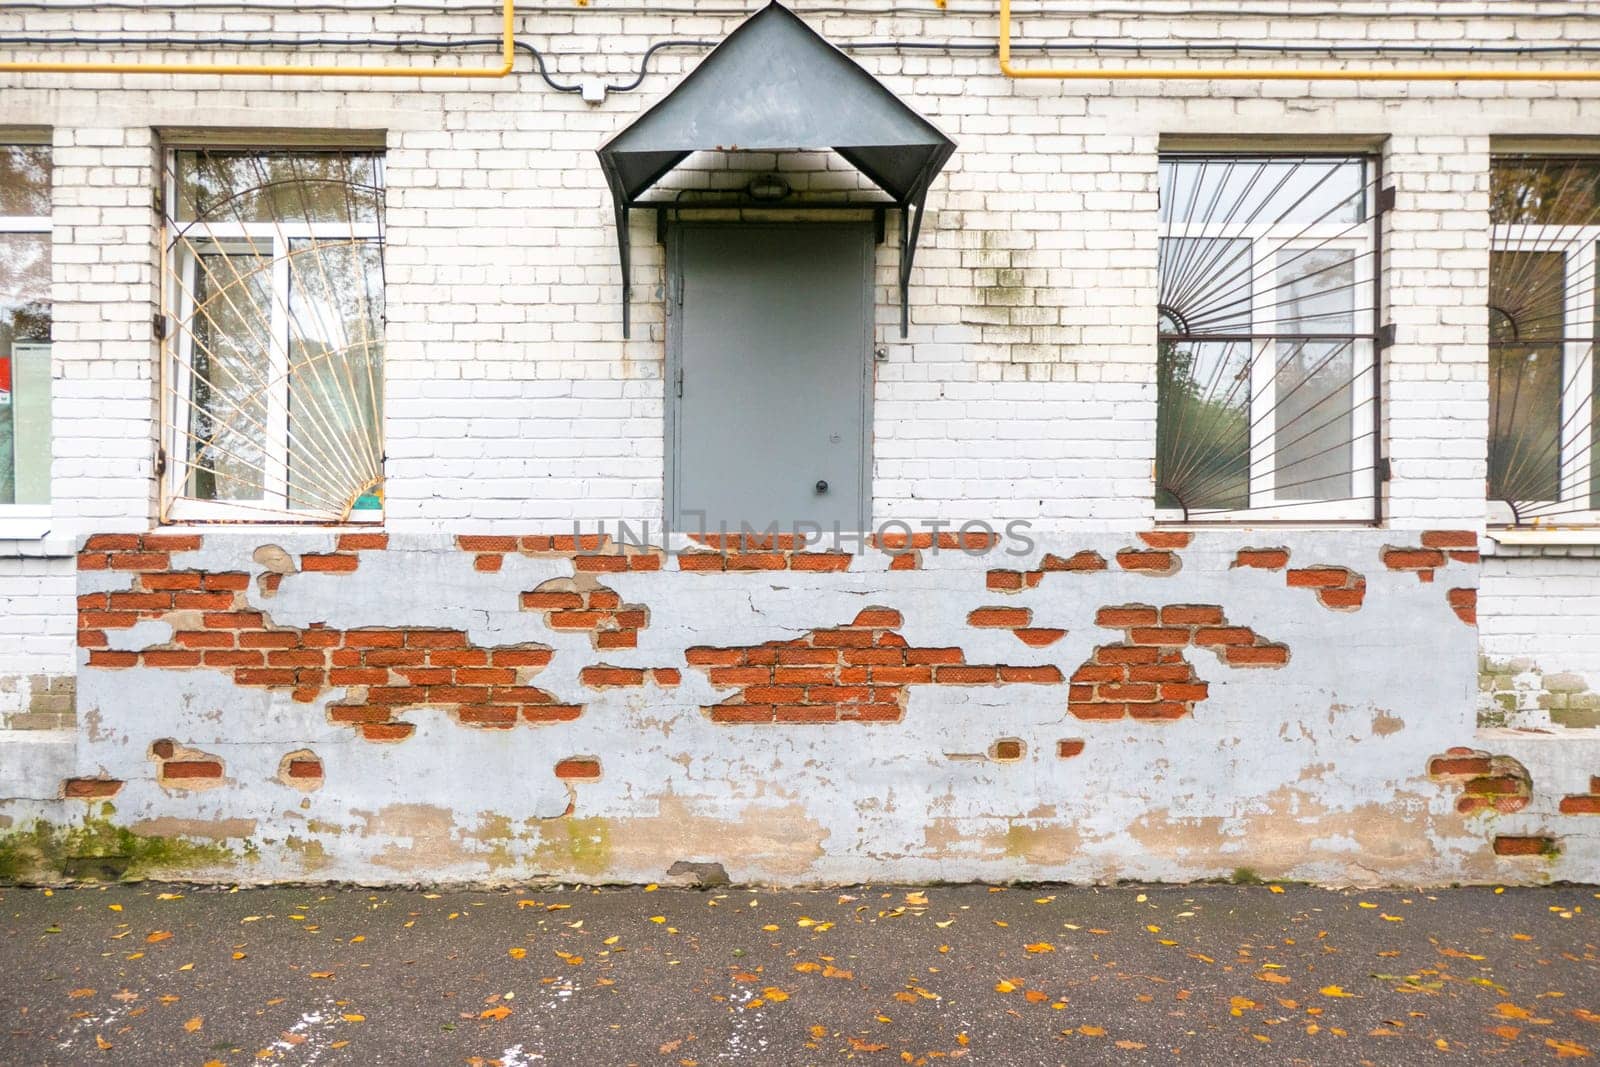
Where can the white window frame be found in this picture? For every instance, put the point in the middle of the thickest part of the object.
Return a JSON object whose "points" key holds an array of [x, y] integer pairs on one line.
{"points": [[241, 237], [1579, 246], [1267, 242], [29, 522]]}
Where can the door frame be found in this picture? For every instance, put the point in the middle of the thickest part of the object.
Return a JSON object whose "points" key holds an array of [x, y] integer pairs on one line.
{"points": [[674, 362]]}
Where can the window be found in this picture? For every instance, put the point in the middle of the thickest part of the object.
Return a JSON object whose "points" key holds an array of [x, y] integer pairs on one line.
{"points": [[1266, 403], [1542, 331], [24, 331], [274, 387]]}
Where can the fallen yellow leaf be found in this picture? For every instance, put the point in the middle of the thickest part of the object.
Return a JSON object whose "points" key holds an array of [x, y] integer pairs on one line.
{"points": [[1334, 991], [193, 1024], [499, 1011], [159, 935], [1040, 946], [1567, 1050], [517, 953]]}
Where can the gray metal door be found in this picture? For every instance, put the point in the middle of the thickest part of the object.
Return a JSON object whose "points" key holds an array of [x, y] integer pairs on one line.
{"points": [[769, 343]]}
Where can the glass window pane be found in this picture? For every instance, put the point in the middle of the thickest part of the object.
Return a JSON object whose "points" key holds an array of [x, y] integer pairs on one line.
{"points": [[1206, 284], [229, 375], [1313, 420], [25, 431], [1527, 322], [25, 180], [1313, 406], [1524, 422], [24, 347], [1564, 192], [1202, 425], [1242, 191], [336, 366], [309, 187]]}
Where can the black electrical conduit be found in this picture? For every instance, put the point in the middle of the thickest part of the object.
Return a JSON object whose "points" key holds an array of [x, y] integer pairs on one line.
{"points": [[973, 48]]}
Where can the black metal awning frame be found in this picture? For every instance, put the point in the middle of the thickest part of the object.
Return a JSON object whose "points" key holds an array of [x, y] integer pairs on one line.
{"points": [[911, 209]]}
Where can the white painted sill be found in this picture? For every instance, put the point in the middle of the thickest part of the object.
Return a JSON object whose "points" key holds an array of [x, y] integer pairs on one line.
{"points": [[24, 523], [1585, 535]]}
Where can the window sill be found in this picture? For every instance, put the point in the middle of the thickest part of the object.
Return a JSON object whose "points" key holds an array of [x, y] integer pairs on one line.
{"points": [[24, 523], [1578, 535]]}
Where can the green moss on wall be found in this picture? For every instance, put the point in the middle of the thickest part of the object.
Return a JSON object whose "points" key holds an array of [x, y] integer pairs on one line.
{"points": [[99, 850]]}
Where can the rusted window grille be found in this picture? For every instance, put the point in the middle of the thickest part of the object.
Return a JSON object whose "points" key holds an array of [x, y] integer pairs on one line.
{"points": [[1267, 407], [273, 383], [1542, 330]]}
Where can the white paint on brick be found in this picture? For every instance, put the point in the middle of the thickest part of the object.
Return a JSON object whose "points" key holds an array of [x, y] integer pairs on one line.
{"points": [[1026, 388]]}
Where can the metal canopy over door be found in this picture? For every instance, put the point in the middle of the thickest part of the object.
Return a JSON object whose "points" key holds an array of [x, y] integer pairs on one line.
{"points": [[769, 342]]}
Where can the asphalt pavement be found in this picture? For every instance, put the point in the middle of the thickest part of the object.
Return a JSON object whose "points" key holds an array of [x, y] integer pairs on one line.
{"points": [[1127, 974]]}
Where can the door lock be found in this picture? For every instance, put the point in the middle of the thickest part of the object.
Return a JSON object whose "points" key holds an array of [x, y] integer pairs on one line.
{"points": [[822, 487]]}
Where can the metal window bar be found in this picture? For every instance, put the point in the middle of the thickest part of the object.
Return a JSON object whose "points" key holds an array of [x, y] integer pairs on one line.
{"points": [[1269, 339], [1544, 321], [273, 304]]}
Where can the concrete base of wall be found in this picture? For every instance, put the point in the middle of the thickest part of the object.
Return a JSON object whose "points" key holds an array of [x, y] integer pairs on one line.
{"points": [[1167, 706]]}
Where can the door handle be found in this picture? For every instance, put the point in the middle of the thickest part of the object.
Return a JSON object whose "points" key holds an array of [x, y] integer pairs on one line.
{"points": [[822, 487]]}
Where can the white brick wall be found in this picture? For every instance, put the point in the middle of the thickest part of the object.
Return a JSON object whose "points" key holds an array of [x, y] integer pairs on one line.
{"points": [[1541, 633], [1026, 388]]}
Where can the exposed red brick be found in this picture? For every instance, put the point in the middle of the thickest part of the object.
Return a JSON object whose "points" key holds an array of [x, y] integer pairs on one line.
{"points": [[1449, 539], [175, 582], [1004, 581], [1257, 655], [305, 768], [1583, 804], [1317, 577], [140, 561], [171, 542], [602, 676], [191, 768], [1166, 538], [362, 542], [1152, 562], [1129, 615], [90, 788], [1410, 559], [333, 563], [1269, 559], [1146, 676], [1343, 599], [1001, 617], [1038, 637], [1191, 615], [488, 564], [387, 731], [476, 543], [1069, 749], [1441, 766], [1464, 602], [878, 618], [113, 543], [1006, 749], [1524, 846], [579, 768]]}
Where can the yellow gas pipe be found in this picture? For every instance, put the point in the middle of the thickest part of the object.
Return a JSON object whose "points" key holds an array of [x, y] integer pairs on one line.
{"points": [[507, 59], [1274, 74]]}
